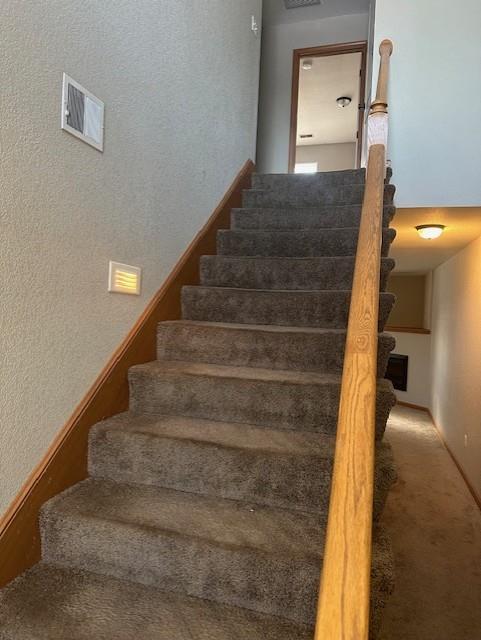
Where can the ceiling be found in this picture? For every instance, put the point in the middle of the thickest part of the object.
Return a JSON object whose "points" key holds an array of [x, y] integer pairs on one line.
{"points": [[275, 12], [319, 87], [415, 255]]}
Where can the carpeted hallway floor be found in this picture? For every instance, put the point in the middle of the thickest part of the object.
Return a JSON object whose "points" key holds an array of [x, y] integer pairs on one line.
{"points": [[435, 528]]}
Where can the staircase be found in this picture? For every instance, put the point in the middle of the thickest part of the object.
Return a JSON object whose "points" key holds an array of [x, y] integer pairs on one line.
{"points": [[204, 513]]}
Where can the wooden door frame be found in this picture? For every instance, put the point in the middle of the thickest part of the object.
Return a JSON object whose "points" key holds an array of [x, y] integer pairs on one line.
{"points": [[316, 52]]}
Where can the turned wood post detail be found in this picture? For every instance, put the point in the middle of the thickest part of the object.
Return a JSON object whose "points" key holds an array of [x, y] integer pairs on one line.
{"points": [[377, 123]]}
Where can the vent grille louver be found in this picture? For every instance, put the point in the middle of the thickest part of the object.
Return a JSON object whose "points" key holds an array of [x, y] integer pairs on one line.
{"points": [[82, 113], [294, 4], [75, 108]]}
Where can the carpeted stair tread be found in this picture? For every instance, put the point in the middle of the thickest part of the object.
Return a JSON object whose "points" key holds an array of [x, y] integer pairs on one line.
{"points": [[267, 346], [302, 218], [310, 243], [265, 466], [296, 400], [163, 368], [328, 309], [303, 180], [228, 523], [54, 603], [260, 558], [281, 273], [292, 196], [223, 434]]}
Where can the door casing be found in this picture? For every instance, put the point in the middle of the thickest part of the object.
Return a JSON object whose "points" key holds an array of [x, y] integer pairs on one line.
{"points": [[315, 52]]}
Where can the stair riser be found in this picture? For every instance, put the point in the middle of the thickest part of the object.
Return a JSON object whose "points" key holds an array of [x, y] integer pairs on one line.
{"points": [[266, 403], [237, 577], [287, 219], [58, 603], [298, 482], [325, 309], [290, 350], [285, 587], [329, 242], [311, 274], [303, 181], [344, 195]]}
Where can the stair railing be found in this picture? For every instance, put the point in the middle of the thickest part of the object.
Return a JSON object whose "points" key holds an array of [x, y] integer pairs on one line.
{"points": [[343, 612]]}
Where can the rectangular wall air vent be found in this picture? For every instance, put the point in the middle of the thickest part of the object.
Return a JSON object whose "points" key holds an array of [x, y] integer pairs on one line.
{"points": [[294, 4], [82, 113]]}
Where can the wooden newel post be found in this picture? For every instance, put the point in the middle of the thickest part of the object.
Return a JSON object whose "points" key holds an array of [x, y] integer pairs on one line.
{"points": [[377, 123], [380, 103]]}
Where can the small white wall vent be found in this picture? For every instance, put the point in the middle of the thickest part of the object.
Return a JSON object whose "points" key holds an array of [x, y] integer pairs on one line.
{"points": [[82, 113], [123, 278], [294, 4]]}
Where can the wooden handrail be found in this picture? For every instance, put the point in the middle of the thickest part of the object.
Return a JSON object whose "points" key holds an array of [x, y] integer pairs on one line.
{"points": [[343, 612]]}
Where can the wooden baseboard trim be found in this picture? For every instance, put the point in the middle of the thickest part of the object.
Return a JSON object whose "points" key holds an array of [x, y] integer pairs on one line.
{"points": [[65, 462], [413, 406], [407, 330], [472, 490]]}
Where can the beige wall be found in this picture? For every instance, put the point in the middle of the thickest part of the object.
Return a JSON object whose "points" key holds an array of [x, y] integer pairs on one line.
{"points": [[409, 309], [456, 357], [418, 349], [278, 43], [180, 85], [329, 157]]}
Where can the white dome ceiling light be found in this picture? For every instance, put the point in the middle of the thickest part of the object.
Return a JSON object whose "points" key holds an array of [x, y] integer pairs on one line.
{"points": [[307, 64], [430, 231], [343, 102]]}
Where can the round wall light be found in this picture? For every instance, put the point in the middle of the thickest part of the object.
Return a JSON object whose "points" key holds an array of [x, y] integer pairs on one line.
{"points": [[307, 65], [343, 102], [430, 231]]}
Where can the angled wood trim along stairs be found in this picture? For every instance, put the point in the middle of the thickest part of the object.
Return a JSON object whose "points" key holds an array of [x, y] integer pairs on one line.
{"points": [[65, 463]]}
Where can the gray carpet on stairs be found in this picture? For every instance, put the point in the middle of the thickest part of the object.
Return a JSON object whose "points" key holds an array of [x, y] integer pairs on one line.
{"points": [[327, 309], [299, 219], [205, 511], [255, 272], [54, 603], [300, 244], [264, 346]]}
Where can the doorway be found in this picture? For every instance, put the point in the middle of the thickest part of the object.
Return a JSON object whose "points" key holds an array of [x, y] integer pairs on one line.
{"points": [[327, 111]]}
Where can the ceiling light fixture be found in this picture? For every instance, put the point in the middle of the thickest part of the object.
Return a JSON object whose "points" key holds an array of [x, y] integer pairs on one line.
{"points": [[430, 231], [343, 102], [307, 65]]}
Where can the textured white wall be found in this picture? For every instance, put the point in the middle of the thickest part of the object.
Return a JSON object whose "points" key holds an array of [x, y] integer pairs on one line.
{"points": [[418, 347], [329, 157], [435, 99], [180, 83], [278, 43], [456, 357]]}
